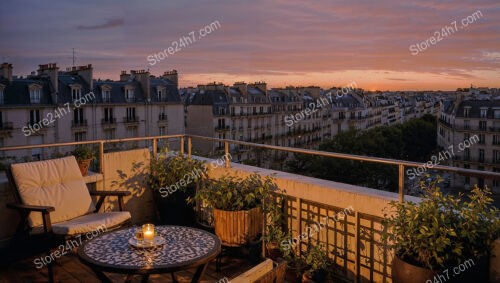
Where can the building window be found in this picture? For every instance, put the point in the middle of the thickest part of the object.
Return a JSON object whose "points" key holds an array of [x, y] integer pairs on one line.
{"points": [[482, 139], [1, 95], [78, 116], [466, 154], [496, 156], [482, 125], [496, 139], [481, 155], [106, 95], [132, 132], [483, 113], [131, 114], [497, 114], [161, 93], [76, 93], [35, 95], [34, 116], [466, 124], [466, 112], [129, 95], [108, 114], [80, 136]]}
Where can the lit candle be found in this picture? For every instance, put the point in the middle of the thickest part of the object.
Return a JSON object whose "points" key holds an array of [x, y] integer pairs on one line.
{"points": [[148, 232]]}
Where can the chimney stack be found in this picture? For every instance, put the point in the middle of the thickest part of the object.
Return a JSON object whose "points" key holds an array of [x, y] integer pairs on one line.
{"points": [[85, 72], [124, 76], [172, 76], [6, 71], [51, 70], [142, 77], [242, 87]]}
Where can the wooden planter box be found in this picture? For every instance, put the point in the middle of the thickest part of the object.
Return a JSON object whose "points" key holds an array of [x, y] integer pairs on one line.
{"points": [[237, 228]]}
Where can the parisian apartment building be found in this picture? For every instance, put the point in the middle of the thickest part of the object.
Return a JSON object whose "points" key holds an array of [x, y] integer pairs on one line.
{"points": [[469, 125], [251, 112], [53, 106]]}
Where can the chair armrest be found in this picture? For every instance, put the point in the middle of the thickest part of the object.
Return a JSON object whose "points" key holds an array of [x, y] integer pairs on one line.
{"points": [[40, 208], [110, 193], [103, 194]]}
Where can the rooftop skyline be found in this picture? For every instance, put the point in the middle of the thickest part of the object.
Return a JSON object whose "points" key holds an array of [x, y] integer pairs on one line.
{"points": [[280, 42]]}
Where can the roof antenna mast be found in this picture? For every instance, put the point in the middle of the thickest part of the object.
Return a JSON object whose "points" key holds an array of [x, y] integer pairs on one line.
{"points": [[73, 57]]}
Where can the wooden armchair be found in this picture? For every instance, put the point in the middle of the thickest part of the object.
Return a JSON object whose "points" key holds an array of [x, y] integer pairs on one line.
{"points": [[53, 200]]}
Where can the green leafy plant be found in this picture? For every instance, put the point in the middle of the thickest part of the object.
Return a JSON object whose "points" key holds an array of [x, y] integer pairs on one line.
{"points": [[442, 230], [317, 259], [83, 153], [234, 193], [166, 171]]}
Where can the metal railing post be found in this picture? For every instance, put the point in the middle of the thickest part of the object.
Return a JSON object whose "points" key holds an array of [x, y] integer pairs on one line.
{"points": [[155, 147], [101, 157], [401, 182], [182, 145], [226, 154], [190, 146]]}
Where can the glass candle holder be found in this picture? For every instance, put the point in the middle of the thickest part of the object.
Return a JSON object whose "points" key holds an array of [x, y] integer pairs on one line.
{"points": [[148, 233]]}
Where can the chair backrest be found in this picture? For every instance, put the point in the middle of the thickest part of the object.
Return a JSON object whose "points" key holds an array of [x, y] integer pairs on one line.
{"points": [[56, 182]]}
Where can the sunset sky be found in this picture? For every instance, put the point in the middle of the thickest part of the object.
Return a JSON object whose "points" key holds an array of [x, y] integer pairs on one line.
{"points": [[323, 43]]}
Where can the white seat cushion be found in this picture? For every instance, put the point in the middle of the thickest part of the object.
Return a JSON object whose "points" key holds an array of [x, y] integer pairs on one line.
{"points": [[58, 183], [88, 223]]}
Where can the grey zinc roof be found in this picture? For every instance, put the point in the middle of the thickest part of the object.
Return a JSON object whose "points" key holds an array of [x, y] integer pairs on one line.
{"points": [[475, 107], [172, 91], [118, 91], [17, 92], [64, 91], [208, 97]]}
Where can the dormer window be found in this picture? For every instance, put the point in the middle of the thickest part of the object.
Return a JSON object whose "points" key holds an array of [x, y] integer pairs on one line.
{"points": [[129, 94], [466, 111], [76, 91], [35, 93], [484, 111], [161, 93], [106, 93]]}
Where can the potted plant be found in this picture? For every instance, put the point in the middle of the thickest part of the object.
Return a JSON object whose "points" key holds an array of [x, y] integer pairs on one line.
{"points": [[296, 265], [274, 233], [173, 179], [84, 155], [440, 233], [318, 262], [237, 206]]}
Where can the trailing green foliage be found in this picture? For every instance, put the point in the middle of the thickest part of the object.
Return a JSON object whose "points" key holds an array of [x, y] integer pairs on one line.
{"points": [[166, 171], [443, 231], [83, 153]]}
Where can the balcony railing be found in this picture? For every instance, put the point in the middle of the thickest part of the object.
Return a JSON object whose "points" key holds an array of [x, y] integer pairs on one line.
{"points": [[355, 237], [6, 126], [129, 119], [162, 117], [79, 123], [108, 121]]}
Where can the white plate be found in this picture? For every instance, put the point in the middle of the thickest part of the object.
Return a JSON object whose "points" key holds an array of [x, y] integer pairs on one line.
{"points": [[158, 241]]}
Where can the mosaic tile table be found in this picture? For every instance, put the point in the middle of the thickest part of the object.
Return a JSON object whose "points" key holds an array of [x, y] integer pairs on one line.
{"points": [[185, 248]]}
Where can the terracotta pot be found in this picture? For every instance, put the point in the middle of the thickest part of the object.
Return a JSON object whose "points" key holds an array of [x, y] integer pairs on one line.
{"points": [[273, 251], [404, 272], [237, 228], [84, 166]]}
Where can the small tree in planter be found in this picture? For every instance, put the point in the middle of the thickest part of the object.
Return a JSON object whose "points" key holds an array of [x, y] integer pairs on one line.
{"points": [[84, 155], [442, 232], [173, 180], [237, 206]]}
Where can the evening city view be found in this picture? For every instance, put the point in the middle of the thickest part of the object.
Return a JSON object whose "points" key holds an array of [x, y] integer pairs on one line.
{"points": [[261, 141]]}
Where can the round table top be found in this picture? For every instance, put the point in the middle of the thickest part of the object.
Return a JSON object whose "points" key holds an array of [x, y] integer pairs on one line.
{"points": [[185, 247]]}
